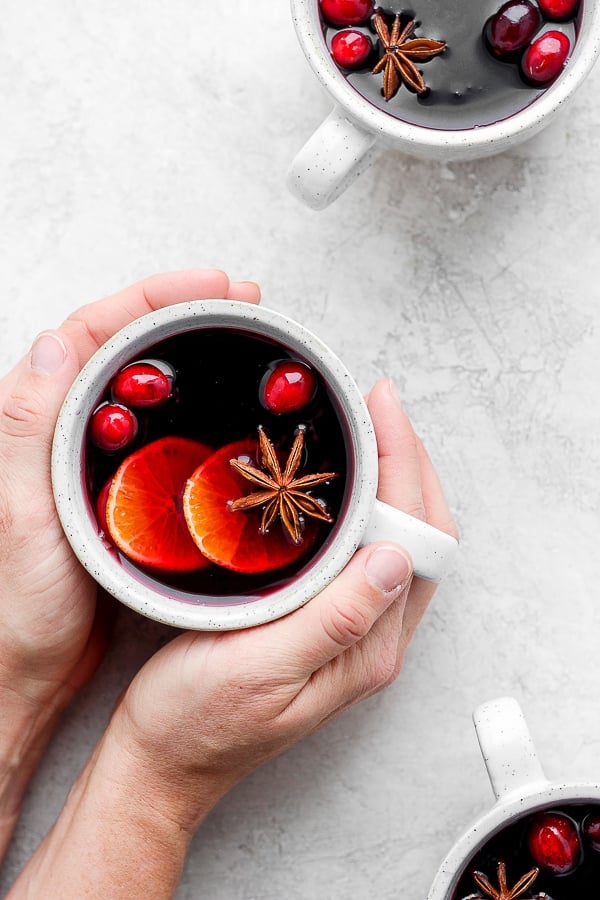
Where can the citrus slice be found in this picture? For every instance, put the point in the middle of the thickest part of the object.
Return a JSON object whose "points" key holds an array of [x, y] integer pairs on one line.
{"points": [[101, 507], [234, 539], [144, 516]]}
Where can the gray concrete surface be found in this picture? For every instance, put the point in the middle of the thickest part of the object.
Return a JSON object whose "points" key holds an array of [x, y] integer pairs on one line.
{"points": [[148, 136]]}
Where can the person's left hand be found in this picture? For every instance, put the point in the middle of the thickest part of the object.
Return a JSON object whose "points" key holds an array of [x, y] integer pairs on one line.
{"points": [[52, 634]]}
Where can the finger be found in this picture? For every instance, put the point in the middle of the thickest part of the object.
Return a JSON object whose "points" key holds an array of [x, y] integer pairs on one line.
{"points": [[344, 612], [407, 479], [439, 515], [437, 510], [30, 403], [99, 638], [32, 394], [399, 467], [247, 291], [361, 671], [93, 324]]}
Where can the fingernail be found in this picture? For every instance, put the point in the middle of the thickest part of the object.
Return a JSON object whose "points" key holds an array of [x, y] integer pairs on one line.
{"points": [[48, 353], [246, 286], [247, 291], [394, 391], [388, 568]]}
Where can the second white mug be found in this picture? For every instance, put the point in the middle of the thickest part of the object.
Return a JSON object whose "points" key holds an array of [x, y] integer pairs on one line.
{"points": [[357, 131], [521, 791]]}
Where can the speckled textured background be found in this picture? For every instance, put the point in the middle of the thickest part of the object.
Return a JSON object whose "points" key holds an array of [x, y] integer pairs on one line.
{"points": [[148, 136]]}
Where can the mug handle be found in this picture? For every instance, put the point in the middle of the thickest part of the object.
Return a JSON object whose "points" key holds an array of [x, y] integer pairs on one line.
{"points": [[331, 159], [432, 551], [507, 748]]}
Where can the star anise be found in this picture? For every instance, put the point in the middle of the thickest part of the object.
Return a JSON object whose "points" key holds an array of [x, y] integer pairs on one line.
{"points": [[502, 892], [282, 493], [399, 51]]}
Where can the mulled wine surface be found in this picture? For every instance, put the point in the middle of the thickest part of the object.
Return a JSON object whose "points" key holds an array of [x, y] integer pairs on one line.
{"points": [[217, 404], [561, 843], [467, 86]]}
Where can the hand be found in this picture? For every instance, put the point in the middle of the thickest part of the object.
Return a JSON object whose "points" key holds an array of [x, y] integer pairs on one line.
{"points": [[209, 708], [52, 633]]}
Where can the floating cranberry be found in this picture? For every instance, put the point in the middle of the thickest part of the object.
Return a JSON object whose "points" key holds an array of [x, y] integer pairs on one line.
{"points": [[347, 12], [553, 842], [350, 49], [512, 27], [141, 384], [287, 387], [113, 427], [545, 57], [591, 830], [559, 10]]}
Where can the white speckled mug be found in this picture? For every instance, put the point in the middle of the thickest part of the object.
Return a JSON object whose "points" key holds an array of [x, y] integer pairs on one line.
{"points": [[363, 518], [519, 785], [357, 131]]}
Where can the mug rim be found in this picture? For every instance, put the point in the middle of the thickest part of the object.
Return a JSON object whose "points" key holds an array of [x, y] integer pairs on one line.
{"points": [[68, 477], [305, 16], [503, 813]]}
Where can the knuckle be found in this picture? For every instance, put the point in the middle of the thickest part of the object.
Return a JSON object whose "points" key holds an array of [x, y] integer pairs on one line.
{"points": [[81, 329], [394, 670], [383, 669], [382, 663], [416, 509], [347, 621], [20, 414]]}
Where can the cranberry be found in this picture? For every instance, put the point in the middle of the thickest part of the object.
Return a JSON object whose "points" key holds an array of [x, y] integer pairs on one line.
{"points": [[113, 427], [287, 387], [559, 9], [347, 12], [141, 384], [512, 27], [350, 49], [545, 57], [591, 829], [553, 842]]}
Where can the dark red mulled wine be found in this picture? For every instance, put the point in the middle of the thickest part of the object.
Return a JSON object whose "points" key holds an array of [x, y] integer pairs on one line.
{"points": [[562, 843], [191, 500], [461, 80]]}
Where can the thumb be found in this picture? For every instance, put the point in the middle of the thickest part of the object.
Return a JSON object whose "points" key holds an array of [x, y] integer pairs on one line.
{"points": [[33, 398], [347, 609]]}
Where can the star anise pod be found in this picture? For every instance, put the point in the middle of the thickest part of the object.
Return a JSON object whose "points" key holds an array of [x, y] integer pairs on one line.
{"points": [[282, 493], [503, 892], [399, 51]]}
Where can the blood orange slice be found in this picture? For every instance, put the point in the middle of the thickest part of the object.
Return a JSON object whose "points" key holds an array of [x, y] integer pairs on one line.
{"points": [[101, 507], [144, 515], [233, 539]]}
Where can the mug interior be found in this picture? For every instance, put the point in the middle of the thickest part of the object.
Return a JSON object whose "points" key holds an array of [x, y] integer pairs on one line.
{"points": [[71, 494], [443, 141], [503, 815]]}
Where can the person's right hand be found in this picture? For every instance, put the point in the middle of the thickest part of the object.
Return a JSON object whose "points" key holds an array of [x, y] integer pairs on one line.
{"points": [[209, 708]]}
